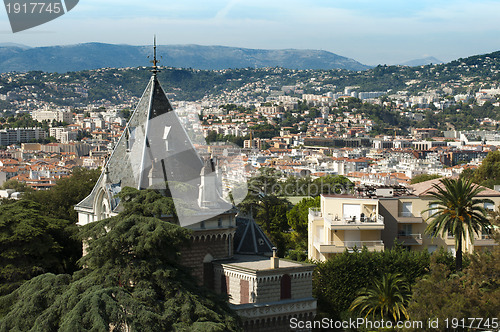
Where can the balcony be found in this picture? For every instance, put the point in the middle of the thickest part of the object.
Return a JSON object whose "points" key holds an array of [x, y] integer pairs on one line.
{"points": [[315, 212], [485, 240], [366, 223], [340, 247], [410, 239], [409, 218]]}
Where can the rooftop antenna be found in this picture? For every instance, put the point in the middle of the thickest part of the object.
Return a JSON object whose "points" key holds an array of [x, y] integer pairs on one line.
{"points": [[155, 61]]}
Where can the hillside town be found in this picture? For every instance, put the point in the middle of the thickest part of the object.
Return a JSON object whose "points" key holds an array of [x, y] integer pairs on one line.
{"points": [[282, 127], [331, 176]]}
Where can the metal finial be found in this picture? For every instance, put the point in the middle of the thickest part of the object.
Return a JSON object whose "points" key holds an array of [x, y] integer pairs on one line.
{"points": [[155, 61]]}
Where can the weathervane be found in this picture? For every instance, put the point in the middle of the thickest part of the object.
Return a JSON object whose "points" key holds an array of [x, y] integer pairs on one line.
{"points": [[155, 61]]}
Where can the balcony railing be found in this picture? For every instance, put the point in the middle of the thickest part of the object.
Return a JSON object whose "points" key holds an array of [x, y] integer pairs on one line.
{"points": [[410, 239], [407, 217], [315, 212], [341, 246], [357, 244], [485, 240], [354, 221]]}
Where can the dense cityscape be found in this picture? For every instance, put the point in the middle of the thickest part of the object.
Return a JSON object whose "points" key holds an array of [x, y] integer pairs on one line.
{"points": [[345, 173], [308, 126]]}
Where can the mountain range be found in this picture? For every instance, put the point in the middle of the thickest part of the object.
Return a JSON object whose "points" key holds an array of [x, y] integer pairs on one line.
{"points": [[14, 57], [422, 62]]}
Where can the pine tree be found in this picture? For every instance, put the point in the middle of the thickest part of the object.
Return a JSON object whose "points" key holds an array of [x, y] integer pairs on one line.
{"points": [[131, 280]]}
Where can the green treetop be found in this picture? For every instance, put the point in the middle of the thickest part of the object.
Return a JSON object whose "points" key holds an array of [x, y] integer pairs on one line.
{"points": [[131, 280]]}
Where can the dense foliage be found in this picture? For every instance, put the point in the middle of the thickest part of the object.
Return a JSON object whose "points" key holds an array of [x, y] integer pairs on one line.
{"points": [[20, 121], [212, 136], [457, 212], [298, 219], [60, 200], [488, 174], [131, 280], [38, 233], [31, 243], [267, 201], [386, 298], [16, 186], [443, 294], [461, 116], [424, 177], [337, 281]]}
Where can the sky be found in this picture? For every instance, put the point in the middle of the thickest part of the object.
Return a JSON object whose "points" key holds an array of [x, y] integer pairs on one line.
{"points": [[371, 32]]}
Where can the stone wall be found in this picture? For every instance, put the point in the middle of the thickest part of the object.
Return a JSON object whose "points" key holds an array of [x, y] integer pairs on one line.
{"points": [[269, 287], [262, 289], [206, 246]]}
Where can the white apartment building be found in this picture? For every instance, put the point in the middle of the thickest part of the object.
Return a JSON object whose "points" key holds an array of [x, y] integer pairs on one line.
{"points": [[20, 135], [63, 135], [51, 115]]}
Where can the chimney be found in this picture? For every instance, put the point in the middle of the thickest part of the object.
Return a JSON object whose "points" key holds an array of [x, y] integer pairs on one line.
{"points": [[275, 260]]}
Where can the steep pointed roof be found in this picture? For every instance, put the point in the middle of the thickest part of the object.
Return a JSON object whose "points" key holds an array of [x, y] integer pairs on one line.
{"points": [[153, 148], [250, 238]]}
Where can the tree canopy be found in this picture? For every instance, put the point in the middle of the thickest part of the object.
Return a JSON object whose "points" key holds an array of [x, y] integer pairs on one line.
{"points": [[298, 220], [458, 212], [16, 185], [424, 177], [131, 280], [337, 281], [30, 243], [385, 299], [488, 174], [443, 294], [60, 200]]}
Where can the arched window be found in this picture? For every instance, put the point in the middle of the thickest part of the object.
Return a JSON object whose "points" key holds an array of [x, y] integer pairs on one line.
{"points": [[208, 272], [286, 287]]}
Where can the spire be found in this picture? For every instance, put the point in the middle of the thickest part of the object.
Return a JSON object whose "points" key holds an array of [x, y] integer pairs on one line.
{"points": [[154, 148], [155, 61], [249, 237]]}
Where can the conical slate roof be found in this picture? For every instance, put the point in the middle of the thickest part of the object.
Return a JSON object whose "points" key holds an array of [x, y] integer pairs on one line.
{"points": [[250, 238], [154, 148]]}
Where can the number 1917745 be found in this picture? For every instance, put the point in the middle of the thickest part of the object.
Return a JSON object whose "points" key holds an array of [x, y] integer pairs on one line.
{"points": [[472, 323], [33, 7]]}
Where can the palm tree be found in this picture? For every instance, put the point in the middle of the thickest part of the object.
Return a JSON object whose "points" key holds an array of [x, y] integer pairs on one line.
{"points": [[385, 299], [457, 212]]}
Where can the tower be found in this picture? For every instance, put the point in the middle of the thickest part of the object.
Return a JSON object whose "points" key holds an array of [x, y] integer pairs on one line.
{"points": [[155, 149]]}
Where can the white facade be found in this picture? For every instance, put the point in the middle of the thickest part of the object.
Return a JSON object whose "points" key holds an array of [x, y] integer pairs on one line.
{"points": [[58, 115]]}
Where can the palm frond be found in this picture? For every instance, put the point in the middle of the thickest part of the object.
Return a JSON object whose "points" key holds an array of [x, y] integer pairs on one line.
{"points": [[457, 210]]}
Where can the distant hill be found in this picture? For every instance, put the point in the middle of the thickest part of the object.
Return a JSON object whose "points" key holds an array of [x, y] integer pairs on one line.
{"points": [[464, 75], [14, 45], [422, 62], [96, 55]]}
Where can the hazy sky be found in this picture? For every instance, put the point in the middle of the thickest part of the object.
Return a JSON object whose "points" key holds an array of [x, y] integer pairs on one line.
{"points": [[372, 32]]}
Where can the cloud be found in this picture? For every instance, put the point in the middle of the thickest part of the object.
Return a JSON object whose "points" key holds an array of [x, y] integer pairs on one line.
{"points": [[221, 14]]}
